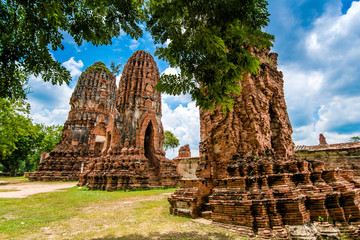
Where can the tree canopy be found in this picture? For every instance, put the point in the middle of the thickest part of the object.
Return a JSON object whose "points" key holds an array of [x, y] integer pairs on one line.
{"points": [[21, 141], [170, 141], [115, 68], [209, 41], [14, 122], [355, 139], [30, 28], [47, 138]]}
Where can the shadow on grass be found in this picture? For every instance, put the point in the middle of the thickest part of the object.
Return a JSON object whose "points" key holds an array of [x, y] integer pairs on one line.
{"points": [[171, 236]]}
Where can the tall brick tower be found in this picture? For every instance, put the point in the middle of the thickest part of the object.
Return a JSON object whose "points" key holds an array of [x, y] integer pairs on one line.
{"points": [[248, 179], [136, 159], [138, 122], [85, 131]]}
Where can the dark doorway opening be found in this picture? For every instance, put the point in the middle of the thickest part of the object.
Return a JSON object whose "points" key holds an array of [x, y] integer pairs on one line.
{"points": [[149, 145]]}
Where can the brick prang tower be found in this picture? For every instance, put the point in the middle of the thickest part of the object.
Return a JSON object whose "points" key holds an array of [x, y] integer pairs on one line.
{"points": [[83, 134], [247, 177], [135, 158]]}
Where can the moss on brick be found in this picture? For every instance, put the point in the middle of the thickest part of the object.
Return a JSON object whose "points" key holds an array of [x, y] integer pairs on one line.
{"points": [[98, 67]]}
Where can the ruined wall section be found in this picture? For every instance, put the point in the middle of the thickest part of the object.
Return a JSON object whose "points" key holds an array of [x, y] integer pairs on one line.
{"points": [[344, 156], [184, 152], [85, 131]]}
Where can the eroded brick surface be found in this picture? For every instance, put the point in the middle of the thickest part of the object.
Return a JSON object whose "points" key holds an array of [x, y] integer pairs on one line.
{"points": [[84, 132], [116, 133], [247, 174]]}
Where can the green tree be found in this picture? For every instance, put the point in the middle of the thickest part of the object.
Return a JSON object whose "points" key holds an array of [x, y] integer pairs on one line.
{"points": [[47, 138], [17, 134], [14, 122], [115, 69], [170, 141], [13, 162], [210, 41], [29, 29], [355, 139]]}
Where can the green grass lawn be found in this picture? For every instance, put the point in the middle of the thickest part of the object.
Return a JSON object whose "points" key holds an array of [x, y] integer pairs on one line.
{"points": [[77, 214], [12, 179]]}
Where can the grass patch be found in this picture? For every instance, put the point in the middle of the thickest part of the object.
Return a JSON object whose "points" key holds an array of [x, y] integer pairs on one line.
{"points": [[9, 190], [23, 179], [7, 179], [79, 214]]}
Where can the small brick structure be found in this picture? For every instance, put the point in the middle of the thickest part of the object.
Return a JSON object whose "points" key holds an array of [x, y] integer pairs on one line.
{"points": [[113, 137], [248, 178], [322, 140], [184, 152]]}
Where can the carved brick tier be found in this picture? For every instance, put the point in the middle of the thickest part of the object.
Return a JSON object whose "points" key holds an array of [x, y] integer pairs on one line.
{"points": [[247, 175], [84, 132], [136, 159]]}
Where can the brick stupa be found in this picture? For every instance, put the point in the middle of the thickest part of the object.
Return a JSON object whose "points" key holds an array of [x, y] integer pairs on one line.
{"points": [[248, 179], [135, 159], [113, 138], [84, 132]]}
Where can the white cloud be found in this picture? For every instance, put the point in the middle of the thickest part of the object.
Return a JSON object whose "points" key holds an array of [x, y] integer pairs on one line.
{"points": [[179, 99], [184, 122], [74, 67], [181, 116], [335, 36], [337, 114], [322, 87], [57, 116], [134, 44], [118, 77], [50, 103], [168, 41], [173, 71]]}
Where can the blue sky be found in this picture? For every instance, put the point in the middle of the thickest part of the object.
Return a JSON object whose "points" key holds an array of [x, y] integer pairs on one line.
{"points": [[318, 43]]}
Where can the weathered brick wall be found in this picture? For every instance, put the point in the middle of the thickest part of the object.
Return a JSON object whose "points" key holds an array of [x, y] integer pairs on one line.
{"points": [[258, 124], [336, 156]]}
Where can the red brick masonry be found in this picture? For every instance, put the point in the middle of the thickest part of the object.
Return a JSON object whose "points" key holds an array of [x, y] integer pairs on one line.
{"points": [[247, 174], [116, 134]]}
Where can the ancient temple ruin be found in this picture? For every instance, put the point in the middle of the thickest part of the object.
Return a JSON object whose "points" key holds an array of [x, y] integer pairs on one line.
{"points": [[135, 157], [113, 137], [83, 136], [248, 178]]}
